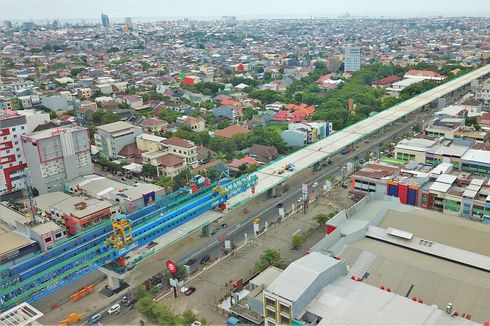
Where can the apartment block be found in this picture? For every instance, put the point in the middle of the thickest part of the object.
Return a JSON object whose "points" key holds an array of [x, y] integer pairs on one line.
{"points": [[12, 161], [57, 155], [352, 60], [112, 137]]}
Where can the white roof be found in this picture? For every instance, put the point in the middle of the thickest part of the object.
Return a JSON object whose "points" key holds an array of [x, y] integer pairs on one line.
{"points": [[477, 155], [299, 275], [439, 186], [446, 178]]}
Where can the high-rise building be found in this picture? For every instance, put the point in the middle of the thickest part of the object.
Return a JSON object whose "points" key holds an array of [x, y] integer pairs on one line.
{"points": [[352, 60], [12, 162], [105, 20], [56, 156], [129, 23]]}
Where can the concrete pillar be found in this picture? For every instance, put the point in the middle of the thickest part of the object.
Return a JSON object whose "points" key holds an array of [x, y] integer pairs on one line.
{"points": [[113, 278], [114, 282], [205, 231], [441, 103], [271, 193], [474, 84]]}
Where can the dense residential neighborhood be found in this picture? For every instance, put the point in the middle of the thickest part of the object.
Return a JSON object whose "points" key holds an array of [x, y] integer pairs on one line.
{"points": [[119, 127]]}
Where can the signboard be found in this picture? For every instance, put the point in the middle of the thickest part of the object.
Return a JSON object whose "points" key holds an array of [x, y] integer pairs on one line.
{"points": [[171, 266], [304, 188]]}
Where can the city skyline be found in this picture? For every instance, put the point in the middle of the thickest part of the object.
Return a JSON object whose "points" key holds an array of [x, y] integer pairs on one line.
{"points": [[34, 10]]}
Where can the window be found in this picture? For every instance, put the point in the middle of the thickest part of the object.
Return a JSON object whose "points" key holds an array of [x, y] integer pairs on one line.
{"points": [[285, 320], [271, 314], [270, 302], [284, 308], [48, 239], [13, 129]]}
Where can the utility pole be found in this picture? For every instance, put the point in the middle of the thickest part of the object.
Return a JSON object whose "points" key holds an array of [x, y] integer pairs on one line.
{"points": [[27, 193]]}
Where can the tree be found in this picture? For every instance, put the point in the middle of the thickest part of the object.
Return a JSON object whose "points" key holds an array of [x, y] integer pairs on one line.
{"points": [[472, 121], [169, 115], [165, 182], [296, 241], [53, 115], [270, 257], [74, 72], [321, 219], [149, 171]]}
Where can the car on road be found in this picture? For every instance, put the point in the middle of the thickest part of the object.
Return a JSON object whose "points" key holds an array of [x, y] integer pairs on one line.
{"points": [[279, 205], [151, 245], [190, 262], [356, 158], [205, 259], [315, 184], [190, 290], [94, 318], [114, 309], [196, 323], [223, 225], [131, 302], [125, 299], [300, 199]]}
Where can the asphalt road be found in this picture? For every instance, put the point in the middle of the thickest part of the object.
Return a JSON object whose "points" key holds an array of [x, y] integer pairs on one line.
{"points": [[236, 232]]}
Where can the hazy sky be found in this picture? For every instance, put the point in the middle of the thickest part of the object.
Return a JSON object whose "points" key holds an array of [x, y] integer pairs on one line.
{"points": [[71, 9]]}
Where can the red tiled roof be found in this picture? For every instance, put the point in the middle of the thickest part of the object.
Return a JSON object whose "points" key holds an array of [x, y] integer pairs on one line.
{"points": [[246, 160], [387, 80], [153, 122], [178, 142], [232, 130], [170, 160], [324, 78]]}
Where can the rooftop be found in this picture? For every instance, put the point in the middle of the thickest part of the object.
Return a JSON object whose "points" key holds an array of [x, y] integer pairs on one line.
{"points": [[115, 126]]}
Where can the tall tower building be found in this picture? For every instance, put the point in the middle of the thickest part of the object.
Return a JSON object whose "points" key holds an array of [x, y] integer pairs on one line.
{"points": [[352, 60], [105, 20], [129, 23], [56, 156], [12, 161]]}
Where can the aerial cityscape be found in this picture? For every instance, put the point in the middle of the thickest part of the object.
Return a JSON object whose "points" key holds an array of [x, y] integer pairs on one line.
{"points": [[244, 163]]}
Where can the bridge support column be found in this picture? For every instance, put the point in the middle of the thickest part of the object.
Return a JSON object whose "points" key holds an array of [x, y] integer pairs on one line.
{"points": [[441, 103], [205, 231], [381, 131], [271, 193], [113, 278], [474, 84]]}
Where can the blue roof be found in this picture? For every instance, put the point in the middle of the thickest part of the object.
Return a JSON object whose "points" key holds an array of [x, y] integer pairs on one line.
{"points": [[232, 321]]}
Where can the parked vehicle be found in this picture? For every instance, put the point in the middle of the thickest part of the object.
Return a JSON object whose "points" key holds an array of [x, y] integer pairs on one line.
{"points": [[300, 199], [190, 262], [115, 309], [190, 290], [223, 225], [94, 318], [125, 299], [131, 302], [205, 259], [315, 184]]}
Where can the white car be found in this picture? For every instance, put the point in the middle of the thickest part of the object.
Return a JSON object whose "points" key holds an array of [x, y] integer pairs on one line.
{"points": [[315, 184], [300, 199], [114, 309], [183, 289]]}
